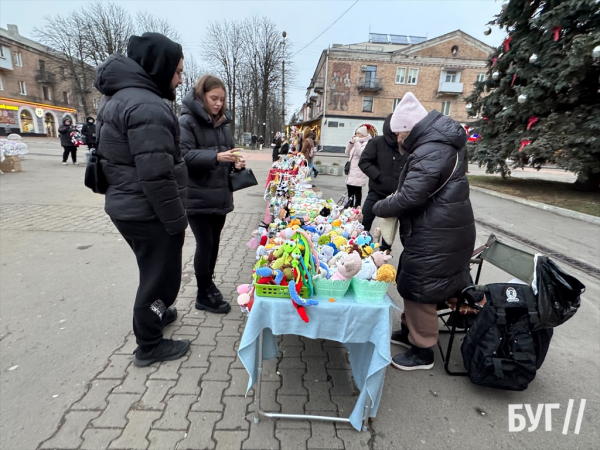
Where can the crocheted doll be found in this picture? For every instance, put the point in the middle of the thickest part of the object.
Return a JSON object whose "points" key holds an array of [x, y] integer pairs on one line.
{"points": [[348, 267]]}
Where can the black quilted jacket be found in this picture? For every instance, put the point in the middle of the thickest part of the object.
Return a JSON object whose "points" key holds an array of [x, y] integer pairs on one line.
{"points": [[437, 230]]}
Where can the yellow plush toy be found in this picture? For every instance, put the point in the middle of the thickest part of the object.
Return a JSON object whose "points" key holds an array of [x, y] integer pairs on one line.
{"points": [[339, 242], [386, 273], [336, 223]]}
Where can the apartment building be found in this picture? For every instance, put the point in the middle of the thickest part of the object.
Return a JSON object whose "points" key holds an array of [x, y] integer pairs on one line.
{"points": [[36, 88], [362, 83]]}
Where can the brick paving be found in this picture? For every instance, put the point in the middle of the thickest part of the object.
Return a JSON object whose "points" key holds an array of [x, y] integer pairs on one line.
{"points": [[199, 402]]}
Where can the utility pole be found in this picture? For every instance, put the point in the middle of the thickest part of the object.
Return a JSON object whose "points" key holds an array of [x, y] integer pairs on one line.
{"points": [[283, 86]]}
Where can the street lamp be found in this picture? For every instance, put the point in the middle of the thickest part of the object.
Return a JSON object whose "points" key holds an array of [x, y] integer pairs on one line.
{"points": [[283, 83]]}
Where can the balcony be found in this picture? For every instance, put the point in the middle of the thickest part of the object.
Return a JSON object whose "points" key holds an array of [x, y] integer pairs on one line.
{"points": [[446, 87], [319, 86], [369, 84], [45, 77]]}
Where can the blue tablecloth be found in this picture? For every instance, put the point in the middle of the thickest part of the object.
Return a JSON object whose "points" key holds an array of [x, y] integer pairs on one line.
{"points": [[364, 328]]}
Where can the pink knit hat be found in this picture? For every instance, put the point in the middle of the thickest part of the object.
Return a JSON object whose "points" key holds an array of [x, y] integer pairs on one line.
{"points": [[408, 113]]}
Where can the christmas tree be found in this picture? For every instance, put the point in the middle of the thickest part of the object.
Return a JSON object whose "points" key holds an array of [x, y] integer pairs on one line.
{"points": [[541, 96]]}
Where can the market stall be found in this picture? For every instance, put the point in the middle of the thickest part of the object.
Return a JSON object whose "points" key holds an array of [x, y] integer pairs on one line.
{"points": [[316, 266]]}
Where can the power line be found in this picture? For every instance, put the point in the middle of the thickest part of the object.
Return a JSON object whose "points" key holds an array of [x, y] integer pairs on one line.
{"points": [[336, 20]]}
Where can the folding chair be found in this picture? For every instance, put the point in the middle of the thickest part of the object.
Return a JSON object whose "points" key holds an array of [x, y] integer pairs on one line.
{"points": [[513, 261]]}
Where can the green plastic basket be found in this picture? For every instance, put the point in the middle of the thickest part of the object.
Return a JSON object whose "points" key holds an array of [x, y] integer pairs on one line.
{"points": [[331, 288], [269, 290], [366, 291]]}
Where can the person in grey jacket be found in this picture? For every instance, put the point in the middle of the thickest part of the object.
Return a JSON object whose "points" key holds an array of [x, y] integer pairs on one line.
{"points": [[147, 177], [208, 149], [437, 226]]}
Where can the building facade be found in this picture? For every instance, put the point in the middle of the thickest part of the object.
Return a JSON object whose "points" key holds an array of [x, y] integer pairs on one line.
{"points": [[362, 83], [36, 91]]}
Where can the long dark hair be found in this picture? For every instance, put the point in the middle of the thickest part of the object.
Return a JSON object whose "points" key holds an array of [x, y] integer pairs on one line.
{"points": [[206, 84]]}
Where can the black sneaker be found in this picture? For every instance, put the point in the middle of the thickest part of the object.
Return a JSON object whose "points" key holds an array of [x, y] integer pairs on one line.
{"points": [[212, 301], [400, 337], [169, 316], [166, 350], [414, 359]]}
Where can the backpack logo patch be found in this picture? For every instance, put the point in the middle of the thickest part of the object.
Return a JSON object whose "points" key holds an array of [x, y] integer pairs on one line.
{"points": [[511, 295]]}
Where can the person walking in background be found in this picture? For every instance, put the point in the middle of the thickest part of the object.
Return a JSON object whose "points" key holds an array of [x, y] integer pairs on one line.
{"points": [[285, 147], [307, 147], [382, 162], [89, 132], [437, 226], [276, 145], [147, 178], [65, 131], [356, 178], [261, 142], [208, 149], [254, 141], [313, 136]]}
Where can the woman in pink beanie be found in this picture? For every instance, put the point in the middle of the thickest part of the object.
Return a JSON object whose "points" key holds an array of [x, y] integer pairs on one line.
{"points": [[437, 227]]}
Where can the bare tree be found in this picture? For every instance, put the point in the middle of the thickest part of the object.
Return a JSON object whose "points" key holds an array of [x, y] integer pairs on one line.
{"points": [[192, 72], [223, 49], [67, 41], [147, 22]]}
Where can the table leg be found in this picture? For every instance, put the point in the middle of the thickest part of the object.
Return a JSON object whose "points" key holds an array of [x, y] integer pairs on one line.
{"points": [[367, 413], [259, 364]]}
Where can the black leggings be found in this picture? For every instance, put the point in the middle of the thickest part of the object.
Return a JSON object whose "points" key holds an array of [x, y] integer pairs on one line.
{"points": [[355, 191], [158, 255], [72, 150], [207, 231]]}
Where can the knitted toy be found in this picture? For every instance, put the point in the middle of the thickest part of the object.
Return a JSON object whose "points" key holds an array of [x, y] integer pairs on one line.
{"points": [[325, 253], [261, 251], [367, 270], [324, 240], [376, 233], [364, 239], [386, 273], [348, 267], [299, 300], [336, 223], [339, 242], [333, 261], [381, 258], [267, 274], [253, 243], [246, 297]]}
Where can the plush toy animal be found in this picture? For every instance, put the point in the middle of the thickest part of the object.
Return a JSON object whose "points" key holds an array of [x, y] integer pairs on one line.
{"points": [[325, 253], [348, 267], [367, 270], [386, 273], [380, 258]]}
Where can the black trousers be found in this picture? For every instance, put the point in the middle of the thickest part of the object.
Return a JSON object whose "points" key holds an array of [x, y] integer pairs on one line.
{"points": [[158, 257], [72, 150], [355, 191], [207, 231], [276, 153], [368, 215]]}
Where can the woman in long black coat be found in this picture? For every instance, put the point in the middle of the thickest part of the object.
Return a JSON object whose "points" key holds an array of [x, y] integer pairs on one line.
{"points": [[208, 149], [437, 226]]}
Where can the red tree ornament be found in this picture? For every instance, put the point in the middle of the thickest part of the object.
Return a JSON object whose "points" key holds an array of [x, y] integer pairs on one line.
{"points": [[523, 144], [506, 43], [512, 83], [532, 121], [556, 30], [494, 60]]}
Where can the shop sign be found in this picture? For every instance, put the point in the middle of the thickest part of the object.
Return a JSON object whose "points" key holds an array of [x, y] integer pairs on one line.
{"points": [[39, 112], [9, 107]]}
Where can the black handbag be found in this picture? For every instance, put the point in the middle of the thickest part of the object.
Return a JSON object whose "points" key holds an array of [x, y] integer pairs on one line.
{"points": [[94, 176], [242, 179]]}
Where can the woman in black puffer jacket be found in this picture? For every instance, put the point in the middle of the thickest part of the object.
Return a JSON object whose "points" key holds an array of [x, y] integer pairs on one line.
{"points": [[437, 226], [208, 149]]}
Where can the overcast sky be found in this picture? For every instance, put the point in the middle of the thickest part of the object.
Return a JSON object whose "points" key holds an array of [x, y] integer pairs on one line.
{"points": [[302, 20]]}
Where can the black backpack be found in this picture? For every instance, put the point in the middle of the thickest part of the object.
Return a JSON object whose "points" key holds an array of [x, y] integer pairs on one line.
{"points": [[501, 349]]}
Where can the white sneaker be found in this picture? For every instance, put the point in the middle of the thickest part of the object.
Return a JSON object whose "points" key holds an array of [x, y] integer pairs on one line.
{"points": [[64, 163], [75, 163]]}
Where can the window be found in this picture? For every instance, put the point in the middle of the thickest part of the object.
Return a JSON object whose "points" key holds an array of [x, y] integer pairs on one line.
{"points": [[62, 72], [400, 75], [367, 104], [1, 84], [47, 93], [396, 102], [96, 103], [450, 77], [42, 65], [331, 124], [446, 108], [22, 88], [481, 77], [413, 75], [18, 59], [66, 97], [2, 52]]}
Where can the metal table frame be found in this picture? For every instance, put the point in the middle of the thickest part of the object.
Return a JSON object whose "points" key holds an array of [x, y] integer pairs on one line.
{"points": [[259, 412]]}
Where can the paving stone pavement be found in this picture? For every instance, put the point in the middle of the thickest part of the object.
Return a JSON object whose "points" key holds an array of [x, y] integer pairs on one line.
{"points": [[199, 402]]}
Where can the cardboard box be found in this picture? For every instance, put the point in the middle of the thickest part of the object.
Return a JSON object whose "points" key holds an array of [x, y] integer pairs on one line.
{"points": [[11, 164]]}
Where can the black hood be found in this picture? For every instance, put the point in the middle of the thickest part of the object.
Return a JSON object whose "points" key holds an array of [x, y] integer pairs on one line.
{"points": [[158, 56], [435, 127], [192, 106], [87, 119], [120, 72], [64, 121], [388, 134]]}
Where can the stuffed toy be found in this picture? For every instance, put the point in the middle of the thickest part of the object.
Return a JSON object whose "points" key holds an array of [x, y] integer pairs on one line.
{"points": [[246, 297], [367, 251], [253, 243], [368, 269], [363, 239], [320, 229], [288, 273], [348, 267], [335, 250], [268, 275], [324, 239], [380, 258], [339, 242], [325, 212], [386, 273], [260, 251], [376, 233], [325, 253], [333, 261]]}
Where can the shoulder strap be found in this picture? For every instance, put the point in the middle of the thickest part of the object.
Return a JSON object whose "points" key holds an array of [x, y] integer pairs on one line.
{"points": [[445, 182]]}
